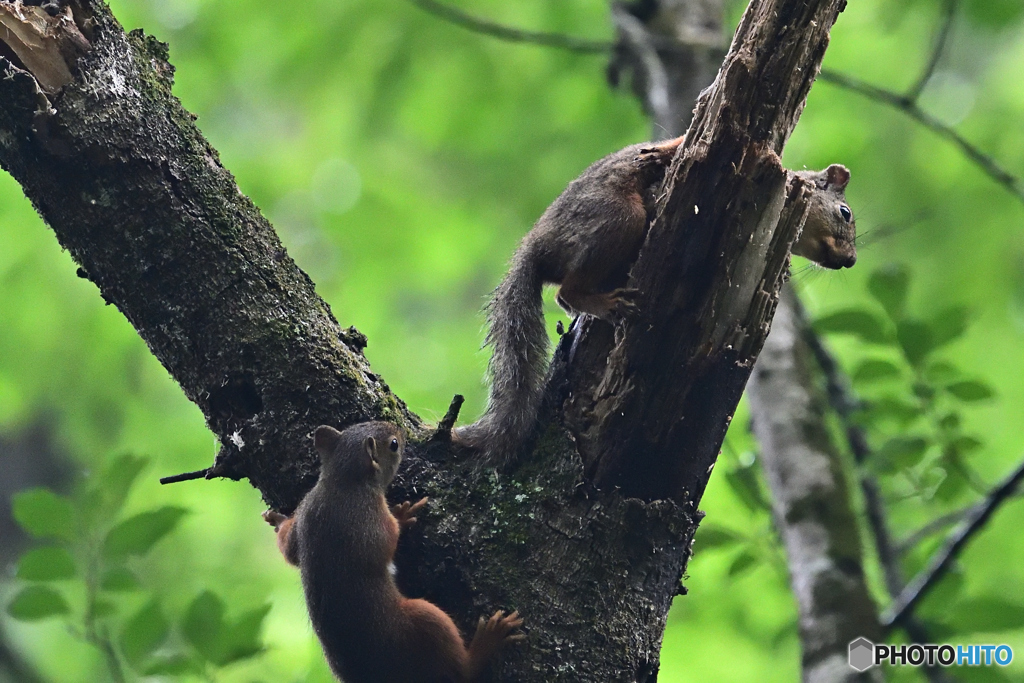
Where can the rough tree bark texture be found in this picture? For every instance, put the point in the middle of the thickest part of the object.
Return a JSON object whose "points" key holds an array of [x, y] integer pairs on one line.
{"points": [[811, 503], [129, 186]]}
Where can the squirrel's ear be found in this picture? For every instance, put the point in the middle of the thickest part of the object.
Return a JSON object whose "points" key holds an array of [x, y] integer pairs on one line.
{"points": [[838, 176], [325, 439], [370, 446]]}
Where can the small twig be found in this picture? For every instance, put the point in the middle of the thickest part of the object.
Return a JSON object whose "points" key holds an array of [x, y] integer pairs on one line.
{"points": [[936, 568], [949, 14], [514, 35], [444, 427], [187, 476], [911, 109], [934, 526]]}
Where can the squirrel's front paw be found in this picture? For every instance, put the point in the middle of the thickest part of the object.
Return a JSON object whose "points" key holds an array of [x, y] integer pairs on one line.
{"points": [[624, 304], [273, 518], [405, 512]]}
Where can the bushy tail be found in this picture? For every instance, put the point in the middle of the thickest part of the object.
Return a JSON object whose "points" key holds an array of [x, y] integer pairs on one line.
{"points": [[519, 341]]}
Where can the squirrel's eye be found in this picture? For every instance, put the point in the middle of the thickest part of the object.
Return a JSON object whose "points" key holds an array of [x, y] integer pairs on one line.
{"points": [[845, 212], [394, 445]]}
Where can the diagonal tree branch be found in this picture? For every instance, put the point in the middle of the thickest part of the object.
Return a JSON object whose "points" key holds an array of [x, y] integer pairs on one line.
{"points": [[515, 35], [907, 103], [940, 562], [909, 107]]}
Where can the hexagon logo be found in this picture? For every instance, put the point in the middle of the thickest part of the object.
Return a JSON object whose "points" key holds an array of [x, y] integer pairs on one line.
{"points": [[862, 654]]}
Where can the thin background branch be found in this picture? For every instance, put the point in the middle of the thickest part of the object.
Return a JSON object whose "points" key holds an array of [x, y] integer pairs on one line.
{"points": [[949, 14], [937, 567], [641, 41], [906, 103]]}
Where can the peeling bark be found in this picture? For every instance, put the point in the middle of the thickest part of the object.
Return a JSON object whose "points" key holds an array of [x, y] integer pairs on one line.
{"points": [[118, 170], [811, 504]]}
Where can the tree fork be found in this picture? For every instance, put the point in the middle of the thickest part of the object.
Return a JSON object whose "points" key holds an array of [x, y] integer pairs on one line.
{"points": [[130, 187]]}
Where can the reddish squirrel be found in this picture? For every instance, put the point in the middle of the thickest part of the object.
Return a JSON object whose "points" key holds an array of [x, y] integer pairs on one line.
{"points": [[343, 538], [586, 241]]}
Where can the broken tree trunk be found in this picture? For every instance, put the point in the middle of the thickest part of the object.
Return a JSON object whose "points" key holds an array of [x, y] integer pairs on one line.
{"points": [[130, 187]]}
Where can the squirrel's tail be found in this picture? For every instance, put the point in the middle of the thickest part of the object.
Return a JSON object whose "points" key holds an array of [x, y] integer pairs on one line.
{"points": [[518, 363]]}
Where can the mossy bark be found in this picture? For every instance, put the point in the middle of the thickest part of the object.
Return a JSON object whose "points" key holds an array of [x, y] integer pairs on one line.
{"points": [[590, 535]]}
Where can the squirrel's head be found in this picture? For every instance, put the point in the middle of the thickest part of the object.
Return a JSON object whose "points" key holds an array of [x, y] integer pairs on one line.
{"points": [[368, 452], [830, 233]]}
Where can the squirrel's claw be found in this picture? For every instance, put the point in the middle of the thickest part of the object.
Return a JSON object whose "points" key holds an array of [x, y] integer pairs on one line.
{"points": [[405, 512], [624, 304]]}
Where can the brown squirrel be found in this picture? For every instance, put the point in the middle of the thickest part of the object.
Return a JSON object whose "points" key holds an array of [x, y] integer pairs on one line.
{"points": [[586, 241], [343, 538]]}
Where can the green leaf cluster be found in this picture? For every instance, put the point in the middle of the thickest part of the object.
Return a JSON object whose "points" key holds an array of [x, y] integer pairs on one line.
{"points": [[81, 570]]}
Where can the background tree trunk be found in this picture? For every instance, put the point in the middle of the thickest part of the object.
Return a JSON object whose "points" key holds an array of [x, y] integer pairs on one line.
{"points": [[129, 186], [811, 502]]}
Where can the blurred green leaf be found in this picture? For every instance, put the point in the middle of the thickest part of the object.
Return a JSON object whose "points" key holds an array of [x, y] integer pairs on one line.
{"points": [[174, 665], [203, 625], [137, 535], [49, 563], [37, 602], [953, 486], [890, 408], [941, 372], [930, 479], [988, 614], [900, 452], [915, 339], [994, 13], [950, 421], [854, 321], [118, 580], [743, 562], [242, 638], [144, 633], [889, 287], [875, 370], [971, 391], [965, 444], [117, 480], [744, 483], [44, 514], [922, 390], [949, 325], [710, 536], [946, 591], [101, 607]]}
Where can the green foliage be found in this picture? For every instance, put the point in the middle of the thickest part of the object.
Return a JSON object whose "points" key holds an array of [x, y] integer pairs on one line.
{"points": [[401, 159], [48, 563], [914, 399], [44, 514], [92, 563], [37, 602], [137, 535]]}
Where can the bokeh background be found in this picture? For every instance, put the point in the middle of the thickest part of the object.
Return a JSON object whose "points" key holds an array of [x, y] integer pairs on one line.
{"points": [[401, 159]]}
